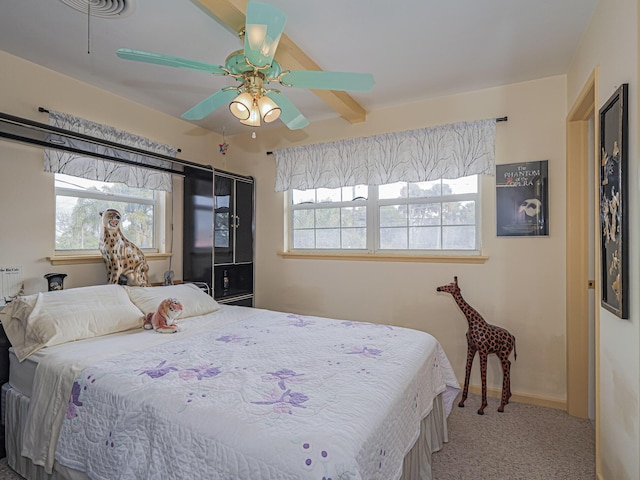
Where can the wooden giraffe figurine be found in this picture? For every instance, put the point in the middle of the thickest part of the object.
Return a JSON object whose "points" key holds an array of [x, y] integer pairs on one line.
{"points": [[484, 339]]}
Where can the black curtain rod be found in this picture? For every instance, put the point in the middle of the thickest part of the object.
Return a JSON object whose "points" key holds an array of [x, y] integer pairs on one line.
{"points": [[34, 133], [499, 119], [44, 110]]}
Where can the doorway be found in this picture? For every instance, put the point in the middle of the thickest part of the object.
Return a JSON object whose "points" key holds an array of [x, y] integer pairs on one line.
{"points": [[582, 222]]}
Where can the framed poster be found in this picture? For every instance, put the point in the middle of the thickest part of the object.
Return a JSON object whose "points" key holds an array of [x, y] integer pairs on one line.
{"points": [[522, 198], [613, 209], [11, 282]]}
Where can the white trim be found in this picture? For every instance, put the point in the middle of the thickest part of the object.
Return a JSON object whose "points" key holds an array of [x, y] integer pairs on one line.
{"points": [[159, 221], [97, 195], [372, 205]]}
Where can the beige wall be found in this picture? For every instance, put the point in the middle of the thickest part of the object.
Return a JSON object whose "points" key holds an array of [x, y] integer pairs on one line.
{"points": [[521, 287], [27, 193], [616, 56]]}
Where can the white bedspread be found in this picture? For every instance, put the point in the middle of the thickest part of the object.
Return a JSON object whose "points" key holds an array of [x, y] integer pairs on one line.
{"points": [[59, 365], [261, 395]]}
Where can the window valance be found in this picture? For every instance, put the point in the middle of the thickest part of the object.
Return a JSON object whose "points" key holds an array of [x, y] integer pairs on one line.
{"points": [[446, 151], [58, 161]]}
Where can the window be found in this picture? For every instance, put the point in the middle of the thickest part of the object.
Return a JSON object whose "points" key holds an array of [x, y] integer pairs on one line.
{"points": [[420, 217], [80, 201], [330, 218]]}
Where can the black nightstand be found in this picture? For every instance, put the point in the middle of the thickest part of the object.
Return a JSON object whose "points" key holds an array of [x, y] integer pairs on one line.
{"points": [[4, 378], [4, 358]]}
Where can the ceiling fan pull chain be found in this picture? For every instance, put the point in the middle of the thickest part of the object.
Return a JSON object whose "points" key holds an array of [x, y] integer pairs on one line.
{"points": [[88, 27]]}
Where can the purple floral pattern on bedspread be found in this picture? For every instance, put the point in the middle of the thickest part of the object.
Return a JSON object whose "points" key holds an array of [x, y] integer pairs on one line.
{"points": [[74, 401], [282, 376], [299, 321], [364, 351], [257, 395], [199, 372], [283, 402], [159, 370]]}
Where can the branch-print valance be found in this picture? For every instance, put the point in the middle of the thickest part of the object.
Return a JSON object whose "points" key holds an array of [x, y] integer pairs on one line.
{"points": [[446, 151], [58, 161]]}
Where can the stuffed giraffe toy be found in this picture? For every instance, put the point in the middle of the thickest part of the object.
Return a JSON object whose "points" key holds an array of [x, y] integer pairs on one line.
{"points": [[484, 339]]}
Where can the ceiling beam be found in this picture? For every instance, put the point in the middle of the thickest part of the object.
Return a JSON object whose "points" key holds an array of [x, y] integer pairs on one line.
{"points": [[231, 13]]}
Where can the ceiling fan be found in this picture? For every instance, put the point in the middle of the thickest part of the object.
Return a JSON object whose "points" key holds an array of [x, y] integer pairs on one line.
{"points": [[255, 68]]}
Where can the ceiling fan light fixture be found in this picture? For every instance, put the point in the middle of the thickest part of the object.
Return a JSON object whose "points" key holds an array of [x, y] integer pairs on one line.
{"points": [[269, 111], [241, 106], [255, 67], [254, 117]]}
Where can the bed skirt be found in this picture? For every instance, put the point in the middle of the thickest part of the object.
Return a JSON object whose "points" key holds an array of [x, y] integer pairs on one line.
{"points": [[16, 410], [416, 465], [433, 435]]}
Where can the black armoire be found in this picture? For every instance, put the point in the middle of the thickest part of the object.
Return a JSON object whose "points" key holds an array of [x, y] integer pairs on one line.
{"points": [[219, 234]]}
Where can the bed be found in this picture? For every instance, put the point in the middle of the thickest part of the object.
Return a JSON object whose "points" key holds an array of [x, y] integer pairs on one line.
{"points": [[236, 393]]}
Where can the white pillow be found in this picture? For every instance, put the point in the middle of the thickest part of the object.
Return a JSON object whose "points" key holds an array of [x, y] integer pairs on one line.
{"points": [[14, 321], [66, 315], [194, 301]]}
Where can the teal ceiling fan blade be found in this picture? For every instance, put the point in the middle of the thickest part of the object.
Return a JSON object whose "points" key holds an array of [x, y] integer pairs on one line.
{"points": [[168, 60], [209, 104], [290, 115], [320, 80], [263, 29]]}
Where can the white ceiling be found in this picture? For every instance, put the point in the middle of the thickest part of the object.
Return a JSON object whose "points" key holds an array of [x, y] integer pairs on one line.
{"points": [[414, 48]]}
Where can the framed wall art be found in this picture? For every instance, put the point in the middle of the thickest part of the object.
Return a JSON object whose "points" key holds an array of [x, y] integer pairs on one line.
{"points": [[614, 239], [522, 199]]}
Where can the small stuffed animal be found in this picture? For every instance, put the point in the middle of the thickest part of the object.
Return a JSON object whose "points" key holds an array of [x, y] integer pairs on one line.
{"points": [[163, 320]]}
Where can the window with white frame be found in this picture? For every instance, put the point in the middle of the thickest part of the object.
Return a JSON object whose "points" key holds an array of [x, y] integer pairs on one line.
{"points": [[405, 217], [78, 205]]}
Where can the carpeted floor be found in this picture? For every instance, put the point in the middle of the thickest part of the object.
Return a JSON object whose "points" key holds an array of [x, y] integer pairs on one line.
{"points": [[6, 473], [523, 443]]}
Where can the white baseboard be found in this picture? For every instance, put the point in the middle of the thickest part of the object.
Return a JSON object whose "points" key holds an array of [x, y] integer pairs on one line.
{"points": [[522, 398]]}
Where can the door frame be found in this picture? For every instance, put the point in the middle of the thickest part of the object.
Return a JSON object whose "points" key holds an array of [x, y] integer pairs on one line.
{"points": [[577, 251]]}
